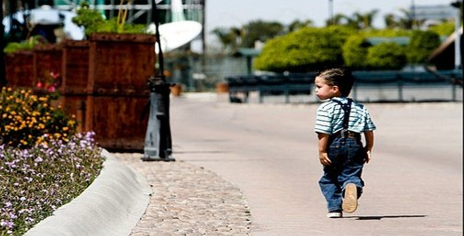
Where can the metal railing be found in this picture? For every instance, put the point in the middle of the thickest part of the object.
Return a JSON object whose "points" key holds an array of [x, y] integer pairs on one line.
{"points": [[287, 85]]}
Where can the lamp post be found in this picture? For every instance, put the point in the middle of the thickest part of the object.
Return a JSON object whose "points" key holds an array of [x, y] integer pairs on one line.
{"points": [[158, 143], [2, 46], [457, 40], [413, 14], [331, 19]]}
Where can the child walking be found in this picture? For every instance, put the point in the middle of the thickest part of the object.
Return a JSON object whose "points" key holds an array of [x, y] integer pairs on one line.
{"points": [[340, 121]]}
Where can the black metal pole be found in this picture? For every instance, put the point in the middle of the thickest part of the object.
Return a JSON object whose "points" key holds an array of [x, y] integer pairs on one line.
{"points": [[2, 47], [158, 142], [155, 15]]}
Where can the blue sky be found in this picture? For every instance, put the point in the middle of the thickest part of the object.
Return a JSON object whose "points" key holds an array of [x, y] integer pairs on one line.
{"points": [[227, 13]]}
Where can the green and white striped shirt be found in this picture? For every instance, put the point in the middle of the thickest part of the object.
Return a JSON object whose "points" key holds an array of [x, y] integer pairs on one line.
{"points": [[329, 118]]}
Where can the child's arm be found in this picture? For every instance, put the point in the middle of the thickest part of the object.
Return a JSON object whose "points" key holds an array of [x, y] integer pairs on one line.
{"points": [[323, 142], [369, 135]]}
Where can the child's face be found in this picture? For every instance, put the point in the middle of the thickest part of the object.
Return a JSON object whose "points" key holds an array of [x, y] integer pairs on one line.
{"points": [[325, 91]]}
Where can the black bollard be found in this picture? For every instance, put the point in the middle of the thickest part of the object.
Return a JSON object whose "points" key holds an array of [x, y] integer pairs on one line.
{"points": [[158, 142]]}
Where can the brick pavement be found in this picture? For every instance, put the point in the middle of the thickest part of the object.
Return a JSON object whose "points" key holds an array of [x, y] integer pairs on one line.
{"points": [[188, 200]]}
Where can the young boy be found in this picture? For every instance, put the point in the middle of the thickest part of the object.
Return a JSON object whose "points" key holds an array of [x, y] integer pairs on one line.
{"points": [[339, 124]]}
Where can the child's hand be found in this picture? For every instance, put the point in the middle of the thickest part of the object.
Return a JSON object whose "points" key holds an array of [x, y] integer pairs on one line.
{"points": [[368, 156], [324, 158]]}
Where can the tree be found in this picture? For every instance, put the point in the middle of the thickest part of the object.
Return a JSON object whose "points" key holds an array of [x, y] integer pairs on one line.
{"points": [[365, 20], [229, 38], [390, 21], [234, 38], [386, 56], [338, 19], [296, 25], [260, 30]]}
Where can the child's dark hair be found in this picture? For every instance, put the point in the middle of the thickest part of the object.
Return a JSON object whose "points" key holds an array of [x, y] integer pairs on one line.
{"points": [[343, 78]]}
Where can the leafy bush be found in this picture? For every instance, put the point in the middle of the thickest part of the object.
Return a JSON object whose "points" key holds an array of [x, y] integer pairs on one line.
{"points": [[34, 182], [444, 29], [386, 33], [307, 49], [26, 118], [89, 18], [28, 44], [421, 44], [386, 56], [93, 21], [355, 52]]}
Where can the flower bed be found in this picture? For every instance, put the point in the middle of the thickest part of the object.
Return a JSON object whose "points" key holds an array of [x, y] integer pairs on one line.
{"points": [[43, 163]]}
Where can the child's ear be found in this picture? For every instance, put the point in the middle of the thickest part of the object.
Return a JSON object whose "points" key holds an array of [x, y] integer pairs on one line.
{"points": [[335, 88]]}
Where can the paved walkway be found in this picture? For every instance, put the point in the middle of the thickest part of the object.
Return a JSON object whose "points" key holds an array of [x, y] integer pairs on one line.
{"points": [[252, 169], [188, 200]]}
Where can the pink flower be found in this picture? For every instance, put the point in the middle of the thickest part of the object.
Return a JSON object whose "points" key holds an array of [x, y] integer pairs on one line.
{"points": [[39, 85], [54, 75]]}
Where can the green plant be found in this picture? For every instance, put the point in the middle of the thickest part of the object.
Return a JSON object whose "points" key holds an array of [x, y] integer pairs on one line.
{"points": [[307, 49], [28, 44], [421, 44], [355, 52], [34, 182], [93, 21], [48, 85], [386, 56], [444, 29], [89, 18], [27, 119], [43, 163]]}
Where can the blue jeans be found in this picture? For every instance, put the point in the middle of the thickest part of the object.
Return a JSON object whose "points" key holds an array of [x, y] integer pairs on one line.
{"points": [[347, 156]]}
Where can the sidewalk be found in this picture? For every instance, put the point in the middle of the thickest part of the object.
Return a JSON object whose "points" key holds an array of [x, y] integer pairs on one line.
{"points": [[251, 169], [188, 200]]}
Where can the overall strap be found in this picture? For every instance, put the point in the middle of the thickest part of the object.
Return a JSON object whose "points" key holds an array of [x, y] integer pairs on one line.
{"points": [[346, 108]]}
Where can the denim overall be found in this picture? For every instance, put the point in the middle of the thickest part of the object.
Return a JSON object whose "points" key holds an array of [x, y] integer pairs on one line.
{"points": [[347, 155]]}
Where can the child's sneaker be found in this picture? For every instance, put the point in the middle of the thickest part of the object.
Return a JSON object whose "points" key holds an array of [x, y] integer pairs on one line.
{"points": [[335, 214], [350, 200]]}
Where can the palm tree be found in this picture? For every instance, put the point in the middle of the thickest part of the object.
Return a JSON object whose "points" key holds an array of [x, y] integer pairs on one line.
{"points": [[405, 22], [295, 25], [362, 20], [338, 19], [368, 18], [229, 38], [390, 21]]}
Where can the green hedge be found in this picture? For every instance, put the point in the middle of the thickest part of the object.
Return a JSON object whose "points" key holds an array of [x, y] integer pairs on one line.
{"points": [[311, 49], [386, 56], [304, 50], [421, 44], [355, 52]]}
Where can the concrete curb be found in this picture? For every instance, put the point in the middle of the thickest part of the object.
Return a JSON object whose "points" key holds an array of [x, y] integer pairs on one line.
{"points": [[112, 205]]}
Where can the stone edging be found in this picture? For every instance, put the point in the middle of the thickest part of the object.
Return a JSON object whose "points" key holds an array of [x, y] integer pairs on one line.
{"points": [[111, 205]]}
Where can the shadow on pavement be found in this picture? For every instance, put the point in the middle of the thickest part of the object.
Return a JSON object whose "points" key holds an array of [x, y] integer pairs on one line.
{"points": [[382, 217]]}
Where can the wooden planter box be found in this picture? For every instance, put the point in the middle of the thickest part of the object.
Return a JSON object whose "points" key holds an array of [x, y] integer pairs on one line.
{"points": [[47, 59], [118, 95], [20, 69], [103, 82], [75, 78]]}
